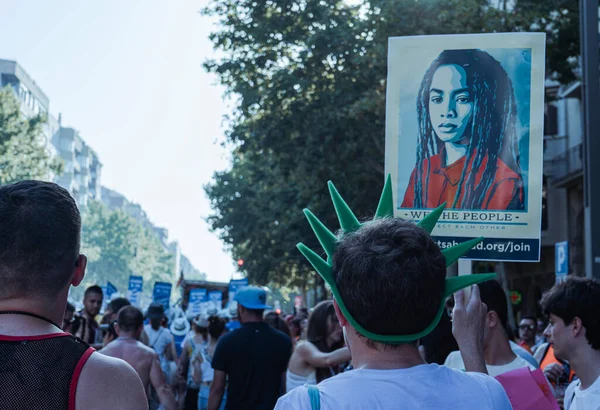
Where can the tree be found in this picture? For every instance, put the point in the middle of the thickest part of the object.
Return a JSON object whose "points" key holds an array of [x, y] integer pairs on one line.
{"points": [[23, 153], [308, 78], [118, 246]]}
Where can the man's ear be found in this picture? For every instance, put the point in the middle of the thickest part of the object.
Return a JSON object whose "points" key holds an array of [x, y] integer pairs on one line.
{"points": [[491, 319], [79, 271], [117, 330], [578, 328], [341, 318]]}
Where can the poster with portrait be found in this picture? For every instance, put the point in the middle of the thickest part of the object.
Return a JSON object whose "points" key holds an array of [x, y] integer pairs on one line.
{"points": [[464, 126]]}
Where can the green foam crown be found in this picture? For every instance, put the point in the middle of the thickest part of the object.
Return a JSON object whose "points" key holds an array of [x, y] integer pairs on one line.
{"points": [[350, 223]]}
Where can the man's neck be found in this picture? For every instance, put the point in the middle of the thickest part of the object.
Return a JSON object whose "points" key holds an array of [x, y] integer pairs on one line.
{"points": [[498, 352], [586, 364], [367, 357], [52, 310]]}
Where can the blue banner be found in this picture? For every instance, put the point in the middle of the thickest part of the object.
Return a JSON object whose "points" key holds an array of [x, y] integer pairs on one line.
{"points": [[196, 301], [234, 285], [110, 290], [215, 300], [162, 294], [134, 290]]}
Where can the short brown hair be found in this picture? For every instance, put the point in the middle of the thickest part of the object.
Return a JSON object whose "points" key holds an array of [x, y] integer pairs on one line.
{"points": [[39, 238]]}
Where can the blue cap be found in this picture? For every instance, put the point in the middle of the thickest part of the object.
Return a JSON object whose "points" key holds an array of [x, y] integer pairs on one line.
{"points": [[252, 297]]}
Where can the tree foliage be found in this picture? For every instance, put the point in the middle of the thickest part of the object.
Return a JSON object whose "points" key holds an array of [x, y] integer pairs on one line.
{"points": [[23, 153], [308, 78], [118, 246]]}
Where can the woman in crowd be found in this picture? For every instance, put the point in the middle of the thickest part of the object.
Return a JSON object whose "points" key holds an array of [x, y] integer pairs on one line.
{"points": [[321, 355], [274, 320], [193, 344], [203, 372]]}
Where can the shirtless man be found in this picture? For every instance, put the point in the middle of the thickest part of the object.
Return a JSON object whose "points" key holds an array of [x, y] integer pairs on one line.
{"points": [[130, 322], [40, 229]]}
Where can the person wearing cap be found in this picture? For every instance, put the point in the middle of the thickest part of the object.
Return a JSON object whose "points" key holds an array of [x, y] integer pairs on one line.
{"points": [[252, 359]]}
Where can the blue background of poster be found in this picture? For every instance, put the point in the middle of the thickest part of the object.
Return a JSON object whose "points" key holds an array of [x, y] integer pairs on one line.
{"points": [[517, 64]]}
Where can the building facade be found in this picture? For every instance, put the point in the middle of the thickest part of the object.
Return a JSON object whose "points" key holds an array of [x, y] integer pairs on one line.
{"points": [[82, 167], [562, 196]]}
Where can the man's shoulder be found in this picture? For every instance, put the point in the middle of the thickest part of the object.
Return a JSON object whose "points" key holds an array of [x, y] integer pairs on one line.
{"points": [[108, 382]]}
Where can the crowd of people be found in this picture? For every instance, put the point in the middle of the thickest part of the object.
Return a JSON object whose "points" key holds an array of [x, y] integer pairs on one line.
{"points": [[389, 273]]}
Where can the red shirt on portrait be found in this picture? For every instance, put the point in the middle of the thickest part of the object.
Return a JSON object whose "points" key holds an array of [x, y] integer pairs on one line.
{"points": [[506, 189]]}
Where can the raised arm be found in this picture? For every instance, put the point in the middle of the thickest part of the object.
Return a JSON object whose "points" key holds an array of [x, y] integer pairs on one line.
{"points": [[316, 358]]}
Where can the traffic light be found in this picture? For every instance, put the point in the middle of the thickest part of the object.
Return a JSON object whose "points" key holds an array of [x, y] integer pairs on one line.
{"points": [[240, 262]]}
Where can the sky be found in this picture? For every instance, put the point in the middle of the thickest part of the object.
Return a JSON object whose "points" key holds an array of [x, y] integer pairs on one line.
{"points": [[128, 75]]}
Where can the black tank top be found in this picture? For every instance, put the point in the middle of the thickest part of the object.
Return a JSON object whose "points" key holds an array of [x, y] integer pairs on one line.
{"points": [[41, 372]]}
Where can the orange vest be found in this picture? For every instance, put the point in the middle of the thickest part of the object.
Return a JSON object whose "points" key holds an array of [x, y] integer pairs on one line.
{"points": [[549, 358]]}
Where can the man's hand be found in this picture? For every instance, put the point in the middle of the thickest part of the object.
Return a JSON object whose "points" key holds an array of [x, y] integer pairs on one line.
{"points": [[468, 323], [553, 371]]}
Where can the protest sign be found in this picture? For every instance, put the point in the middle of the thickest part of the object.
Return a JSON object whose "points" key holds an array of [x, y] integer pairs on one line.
{"points": [[464, 126], [196, 302], [234, 285], [134, 290], [162, 294]]}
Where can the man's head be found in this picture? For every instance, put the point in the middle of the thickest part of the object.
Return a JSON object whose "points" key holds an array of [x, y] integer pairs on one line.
{"points": [[39, 241], [130, 321], [155, 313], [527, 330], [114, 306], [574, 322], [251, 304], [496, 321], [390, 274], [92, 300]]}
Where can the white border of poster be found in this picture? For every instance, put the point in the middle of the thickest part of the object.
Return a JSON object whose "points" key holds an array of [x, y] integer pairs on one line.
{"points": [[444, 95]]}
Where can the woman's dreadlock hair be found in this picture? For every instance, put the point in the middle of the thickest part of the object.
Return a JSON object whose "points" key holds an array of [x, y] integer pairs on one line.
{"points": [[492, 124]]}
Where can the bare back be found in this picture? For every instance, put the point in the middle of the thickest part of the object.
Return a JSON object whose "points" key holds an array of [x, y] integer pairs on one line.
{"points": [[138, 355]]}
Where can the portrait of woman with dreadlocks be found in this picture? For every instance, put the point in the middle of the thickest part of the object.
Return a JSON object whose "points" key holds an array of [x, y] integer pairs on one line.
{"points": [[467, 144]]}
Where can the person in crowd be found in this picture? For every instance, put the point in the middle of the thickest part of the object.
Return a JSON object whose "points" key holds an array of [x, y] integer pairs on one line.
{"points": [[43, 367], [191, 345], [85, 326], [159, 338], [527, 331], [390, 275], [113, 309], [574, 333], [436, 346], [499, 356], [321, 355], [109, 333], [253, 359], [234, 321], [275, 320], [130, 322], [203, 373], [69, 318], [539, 336]]}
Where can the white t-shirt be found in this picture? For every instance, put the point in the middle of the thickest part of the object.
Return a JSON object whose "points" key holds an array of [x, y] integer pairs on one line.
{"points": [[588, 399], [455, 361], [158, 339], [424, 387]]}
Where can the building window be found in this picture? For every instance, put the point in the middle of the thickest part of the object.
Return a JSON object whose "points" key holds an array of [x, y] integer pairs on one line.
{"points": [[550, 120]]}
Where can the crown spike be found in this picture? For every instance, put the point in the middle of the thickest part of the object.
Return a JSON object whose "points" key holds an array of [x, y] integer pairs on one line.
{"points": [[348, 221], [322, 267], [324, 235], [428, 222], [385, 209], [457, 283], [454, 253]]}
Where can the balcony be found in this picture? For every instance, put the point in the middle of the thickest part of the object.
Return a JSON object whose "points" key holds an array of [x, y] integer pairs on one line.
{"points": [[567, 167]]}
